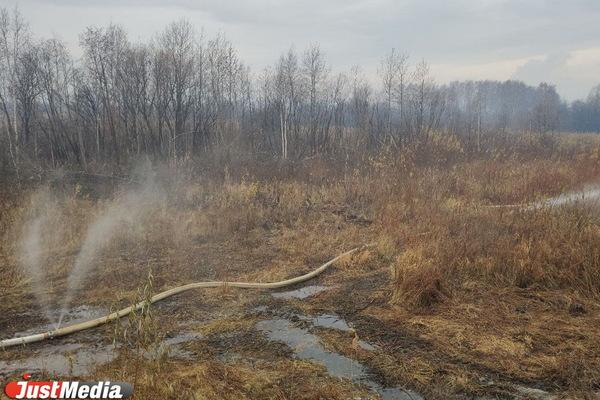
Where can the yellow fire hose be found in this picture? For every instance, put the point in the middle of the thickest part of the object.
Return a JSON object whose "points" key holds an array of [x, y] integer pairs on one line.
{"points": [[163, 295]]}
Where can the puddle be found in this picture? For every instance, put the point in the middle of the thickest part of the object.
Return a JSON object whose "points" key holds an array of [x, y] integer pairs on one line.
{"points": [[57, 358], [81, 359], [74, 359], [74, 316], [308, 346], [331, 321], [301, 293], [586, 195], [62, 360], [80, 314]]}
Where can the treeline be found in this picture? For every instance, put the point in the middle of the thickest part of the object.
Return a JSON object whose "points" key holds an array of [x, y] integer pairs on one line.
{"points": [[584, 115], [182, 94]]}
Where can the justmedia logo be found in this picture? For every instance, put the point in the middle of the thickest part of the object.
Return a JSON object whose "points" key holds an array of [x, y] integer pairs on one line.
{"points": [[27, 389]]}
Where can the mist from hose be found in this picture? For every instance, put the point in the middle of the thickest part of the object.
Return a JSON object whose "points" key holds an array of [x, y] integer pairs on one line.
{"points": [[125, 211], [40, 233]]}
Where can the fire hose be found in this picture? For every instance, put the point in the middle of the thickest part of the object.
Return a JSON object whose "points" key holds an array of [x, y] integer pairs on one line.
{"points": [[67, 330]]}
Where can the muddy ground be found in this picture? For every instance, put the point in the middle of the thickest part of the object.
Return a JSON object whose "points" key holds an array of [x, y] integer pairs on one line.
{"points": [[327, 338]]}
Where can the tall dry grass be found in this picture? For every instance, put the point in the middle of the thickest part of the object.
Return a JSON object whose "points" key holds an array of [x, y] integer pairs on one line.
{"points": [[426, 207]]}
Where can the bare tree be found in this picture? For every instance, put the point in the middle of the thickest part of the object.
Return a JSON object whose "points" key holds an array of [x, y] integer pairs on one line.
{"points": [[287, 92], [104, 50], [55, 77], [314, 72], [393, 71], [14, 41]]}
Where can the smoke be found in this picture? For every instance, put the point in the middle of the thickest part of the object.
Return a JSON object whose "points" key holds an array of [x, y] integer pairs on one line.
{"points": [[127, 210], [41, 231]]}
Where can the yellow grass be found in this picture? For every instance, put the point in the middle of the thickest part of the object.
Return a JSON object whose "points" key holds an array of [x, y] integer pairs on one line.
{"points": [[490, 292]]}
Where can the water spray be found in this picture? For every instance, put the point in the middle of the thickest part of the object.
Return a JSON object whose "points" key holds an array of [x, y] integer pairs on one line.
{"points": [[125, 211], [40, 232]]}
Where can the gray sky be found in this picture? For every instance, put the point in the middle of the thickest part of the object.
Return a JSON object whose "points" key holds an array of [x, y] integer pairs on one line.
{"points": [[533, 40]]}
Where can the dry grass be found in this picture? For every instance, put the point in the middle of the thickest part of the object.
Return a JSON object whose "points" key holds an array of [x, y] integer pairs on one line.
{"points": [[487, 292]]}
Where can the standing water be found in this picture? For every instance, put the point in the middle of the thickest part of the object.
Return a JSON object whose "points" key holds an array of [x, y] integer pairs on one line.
{"points": [[308, 346], [587, 195]]}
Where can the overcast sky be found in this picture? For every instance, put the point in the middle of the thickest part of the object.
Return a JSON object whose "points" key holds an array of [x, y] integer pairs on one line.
{"points": [[556, 41]]}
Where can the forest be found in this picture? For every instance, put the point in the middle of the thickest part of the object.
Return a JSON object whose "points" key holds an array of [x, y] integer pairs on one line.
{"points": [[182, 94]]}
